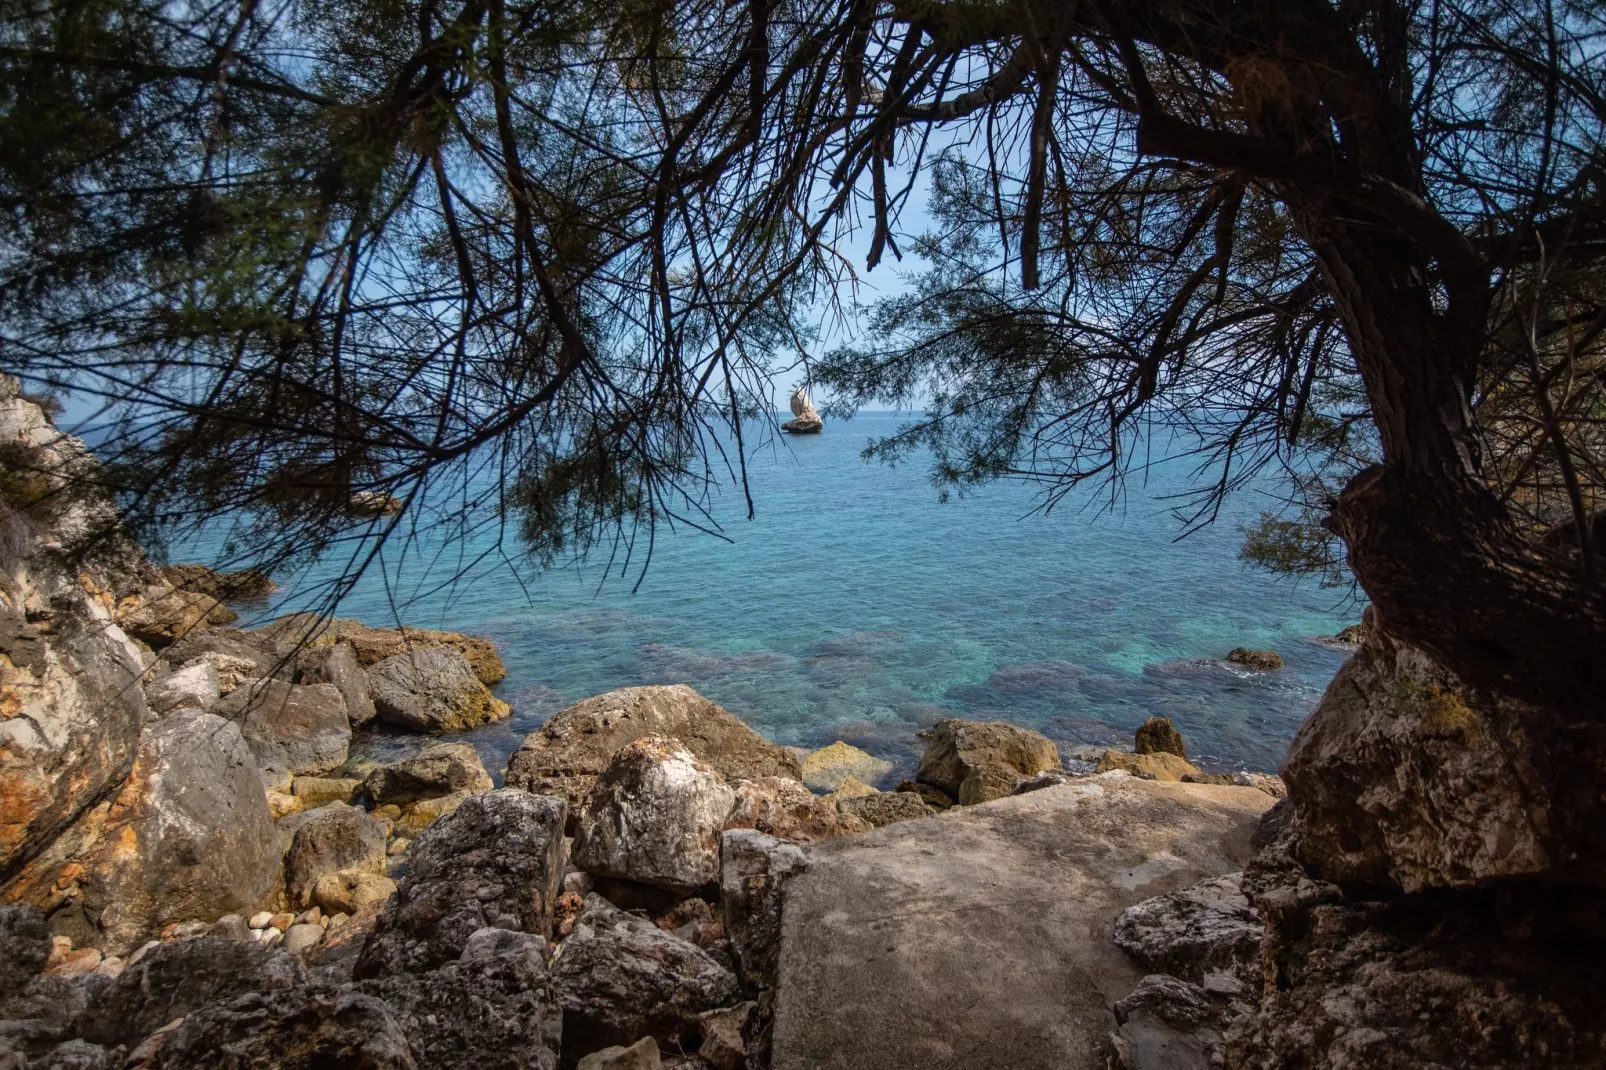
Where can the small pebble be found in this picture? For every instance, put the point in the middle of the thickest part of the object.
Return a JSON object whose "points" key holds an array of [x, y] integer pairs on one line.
{"points": [[262, 920], [309, 917], [271, 936], [398, 847], [339, 919], [282, 921]]}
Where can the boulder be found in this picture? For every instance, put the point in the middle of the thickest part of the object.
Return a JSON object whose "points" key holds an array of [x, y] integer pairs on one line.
{"points": [[494, 1008], [417, 816], [567, 754], [1158, 735], [655, 817], [805, 421], [348, 891], [724, 1046], [301, 937], [754, 870], [826, 768], [161, 615], [1205, 928], [71, 712], [291, 729], [302, 1028], [933, 797], [1156, 765], [497, 862], [1258, 660], [337, 664], [316, 791], [432, 689], [24, 946], [226, 586], [77, 1055], [1404, 776], [238, 656], [850, 788], [373, 645], [885, 808], [785, 808], [332, 839], [443, 769], [193, 685], [171, 980], [975, 761], [621, 978], [43, 1014], [1166, 1024], [187, 836], [642, 1055]]}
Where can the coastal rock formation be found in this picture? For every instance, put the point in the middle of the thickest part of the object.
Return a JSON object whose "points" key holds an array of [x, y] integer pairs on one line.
{"points": [[826, 768], [337, 664], [1158, 735], [332, 839], [236, 655], [785, 808], [303, 1028], [805, 421], [225, 586], [1207, 927], [621, 978], [316, 791], [497, 862], [1258, 660], [193, 685], [24, 947], [755, 869], [160, 615], [292, 729], [976, 761], [1404, 776], [1157, 765], [1166, 1024], [443, 769], [565, 756], [654, 816], [432, 689], [373, 645], [885, 808], [187, 835]]}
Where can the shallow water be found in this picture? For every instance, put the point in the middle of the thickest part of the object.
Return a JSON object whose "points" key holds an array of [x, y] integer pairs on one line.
{"points": [[858, 607]]}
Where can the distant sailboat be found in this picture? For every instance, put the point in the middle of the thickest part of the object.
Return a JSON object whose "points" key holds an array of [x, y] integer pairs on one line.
{"points": [[807, 421]]}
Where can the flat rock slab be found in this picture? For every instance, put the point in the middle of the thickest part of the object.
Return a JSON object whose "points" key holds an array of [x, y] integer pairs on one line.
{"points": [[980, 938]]}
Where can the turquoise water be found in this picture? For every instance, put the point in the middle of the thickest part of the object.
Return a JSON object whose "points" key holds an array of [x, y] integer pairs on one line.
{"points": [[857, 607]]}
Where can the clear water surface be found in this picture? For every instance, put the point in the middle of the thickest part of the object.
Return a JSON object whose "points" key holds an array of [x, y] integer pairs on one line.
{"points": [[858, 607]]}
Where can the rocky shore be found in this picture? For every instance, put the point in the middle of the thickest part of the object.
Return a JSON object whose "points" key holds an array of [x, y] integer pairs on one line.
{"points": [[195, 875]]}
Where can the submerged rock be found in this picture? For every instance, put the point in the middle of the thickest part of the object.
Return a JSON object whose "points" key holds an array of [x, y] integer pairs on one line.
{"points": [[655, 816], [621, 978], [566, 755], [1258, 660], [826, 768], [976, 761], [432, 689], [496, 862]]}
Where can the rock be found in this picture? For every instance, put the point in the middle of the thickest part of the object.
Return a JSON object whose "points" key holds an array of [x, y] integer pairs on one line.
{"points": [[566, 755], [1158, 735], [885, 808], [933, 797], [230, 927], [1166, 1024], [1159, 765], [332, 839], [723, 1046], [373, 645], [1352, 636], [1049, 779], [443, 769], [185, 930], [299, 938], [348, 891], [24, 946], [432, 689], [261, 919], [374, 503], [621, 978], [238, 656], [74, 962], [785, 808], [497, 862], [193, 685], [242, 585], [291, 729], [161, 615], [172, 980], [71, 721], [303, 1028], [826, 768], [494, 1008], [187, 836], [755, 868], [805, 421], [1204, 928], [337, 665], [415, 817], [642, 1055], [1403, 776], [77, 1055], [850, 788], [314, 791], [282, 920], [1258, 660], [975, 761], [655, 817], [281, 805]]}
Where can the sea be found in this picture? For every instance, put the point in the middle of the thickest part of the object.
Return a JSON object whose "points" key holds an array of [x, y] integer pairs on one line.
{"points": [[857, 605]]}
